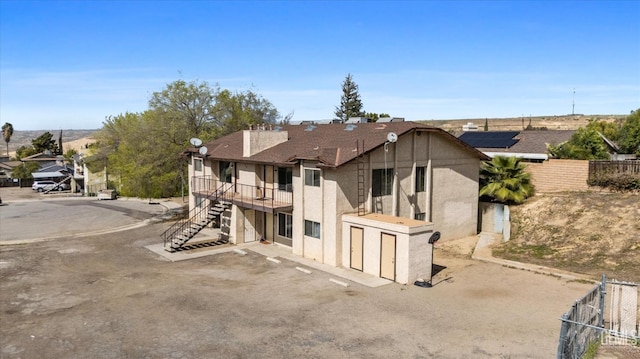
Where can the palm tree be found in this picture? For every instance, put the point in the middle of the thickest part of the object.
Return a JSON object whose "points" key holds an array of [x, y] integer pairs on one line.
{"points": [[7, 132], [504, 180]]}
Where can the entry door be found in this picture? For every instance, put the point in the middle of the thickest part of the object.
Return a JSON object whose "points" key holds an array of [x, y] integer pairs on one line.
{"points": [[388, 256], [357, 237], [249, 225]]}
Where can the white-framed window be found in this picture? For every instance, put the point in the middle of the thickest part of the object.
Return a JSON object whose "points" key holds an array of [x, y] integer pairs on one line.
{"points": [[382, 182], [197, 164], [285, 225], [311, 229], [312, 177], [421, 185]]}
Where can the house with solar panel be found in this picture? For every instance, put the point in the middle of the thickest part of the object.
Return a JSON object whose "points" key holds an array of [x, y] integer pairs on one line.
{"points": [[365, 196], [530, 145]]}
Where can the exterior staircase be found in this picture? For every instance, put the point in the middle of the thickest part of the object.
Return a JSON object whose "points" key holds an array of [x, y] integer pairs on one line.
{"points": [[185, 229]]}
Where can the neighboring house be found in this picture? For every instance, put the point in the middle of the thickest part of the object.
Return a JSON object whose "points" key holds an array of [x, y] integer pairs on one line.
{"points": [[56, 172], [530, 145], [365, 196]]}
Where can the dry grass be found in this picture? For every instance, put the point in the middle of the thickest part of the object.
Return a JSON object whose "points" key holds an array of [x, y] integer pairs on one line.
{"points": [[584, 232]]}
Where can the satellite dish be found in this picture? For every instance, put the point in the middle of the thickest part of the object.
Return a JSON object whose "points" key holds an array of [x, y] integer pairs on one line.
{"points": [[196, 142], [392, 137], [203, 150]]}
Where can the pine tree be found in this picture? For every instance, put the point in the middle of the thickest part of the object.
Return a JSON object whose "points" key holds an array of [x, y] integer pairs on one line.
{"points": [[350, 103]]}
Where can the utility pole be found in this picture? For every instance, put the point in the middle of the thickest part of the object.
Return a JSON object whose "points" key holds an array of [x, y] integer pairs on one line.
{"points": [[573, 105]]}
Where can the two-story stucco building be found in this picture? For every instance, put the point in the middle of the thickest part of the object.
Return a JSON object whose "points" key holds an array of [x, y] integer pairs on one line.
{"points": [[365, 196]]}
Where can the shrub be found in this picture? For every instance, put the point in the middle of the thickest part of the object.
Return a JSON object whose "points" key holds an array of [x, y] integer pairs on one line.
{"points": [[623, 182]]}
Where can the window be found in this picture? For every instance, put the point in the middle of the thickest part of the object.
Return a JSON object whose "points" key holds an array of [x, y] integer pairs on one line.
{"points": [[420, 183], [225, 171], [382, 182], [311, 229], [312, 177], [420, 216], [285, 179], [285, 225], [197, 164]]}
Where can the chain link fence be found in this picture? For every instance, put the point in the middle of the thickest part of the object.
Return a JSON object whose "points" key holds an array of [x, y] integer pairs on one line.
{"points": [[583, 326]]}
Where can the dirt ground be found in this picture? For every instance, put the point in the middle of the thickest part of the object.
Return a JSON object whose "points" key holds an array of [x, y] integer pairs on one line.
{"points": [[582, 232], [107, 296]]}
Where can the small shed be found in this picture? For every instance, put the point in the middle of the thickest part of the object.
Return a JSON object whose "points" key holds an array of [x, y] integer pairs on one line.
{"points": [[390, 247]]}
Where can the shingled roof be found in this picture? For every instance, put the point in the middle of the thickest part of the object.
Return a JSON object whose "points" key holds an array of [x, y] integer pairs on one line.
{"points": [[332, 145], [529, 141]]}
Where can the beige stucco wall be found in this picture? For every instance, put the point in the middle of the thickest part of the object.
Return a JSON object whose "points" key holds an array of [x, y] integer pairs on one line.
{"points": [[413, 258]]}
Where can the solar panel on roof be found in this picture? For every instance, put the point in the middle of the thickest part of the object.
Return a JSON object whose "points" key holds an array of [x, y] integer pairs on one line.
{"points": [[495, 139]]}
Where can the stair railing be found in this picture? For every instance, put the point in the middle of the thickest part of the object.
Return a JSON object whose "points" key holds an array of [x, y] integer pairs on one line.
{"points": [[194, 215]]}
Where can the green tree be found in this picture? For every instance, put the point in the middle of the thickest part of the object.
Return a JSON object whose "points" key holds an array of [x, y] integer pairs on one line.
{"points": [[68, 155], [629, 138], [25, 170], [504, 180], [376, 116], [189, 104], [7, 132], [45, 142], [350, 103], [587, 142], [25, 151], [237, 111], [143, 150]]}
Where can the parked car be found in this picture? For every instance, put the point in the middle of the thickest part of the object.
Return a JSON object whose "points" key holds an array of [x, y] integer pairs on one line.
{"points": [[42, 186]]}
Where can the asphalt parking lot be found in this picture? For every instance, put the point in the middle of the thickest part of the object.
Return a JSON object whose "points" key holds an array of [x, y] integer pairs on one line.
{"points": [[107, 296], [63, 217]]}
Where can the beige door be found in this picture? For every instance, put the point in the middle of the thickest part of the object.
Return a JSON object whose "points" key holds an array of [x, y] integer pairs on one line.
{"points": [[357, 237], [249, 225], [388, 256]]}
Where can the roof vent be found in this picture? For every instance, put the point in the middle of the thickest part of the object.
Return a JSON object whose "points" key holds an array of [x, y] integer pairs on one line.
{"points": [[350, 127], [310, 128]]}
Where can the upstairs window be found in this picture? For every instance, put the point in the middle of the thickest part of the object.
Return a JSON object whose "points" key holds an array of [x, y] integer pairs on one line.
{"points": [[312, 177], [225, 171], [382, 182], [420, 179], [197, 164], [285, 179]]}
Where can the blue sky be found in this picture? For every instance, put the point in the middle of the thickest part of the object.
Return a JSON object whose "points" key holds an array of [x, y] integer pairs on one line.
{"points": [[70, 64]]}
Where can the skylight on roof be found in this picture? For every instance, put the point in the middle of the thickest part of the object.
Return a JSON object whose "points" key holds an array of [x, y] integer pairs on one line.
{"points": [[310, 128], [350, 127]]}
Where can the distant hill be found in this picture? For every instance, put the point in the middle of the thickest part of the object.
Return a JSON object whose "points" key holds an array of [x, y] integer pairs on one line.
{"points": [[567, 122], [70, 139]]}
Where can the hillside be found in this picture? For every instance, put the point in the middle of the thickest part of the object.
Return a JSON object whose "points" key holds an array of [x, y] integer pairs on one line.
{"points": [[583, 232], [568, 122], [70, 139]]}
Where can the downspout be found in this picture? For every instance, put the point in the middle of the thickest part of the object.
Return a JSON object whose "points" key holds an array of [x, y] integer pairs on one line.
{"points": [[429, 176], [395, 179], [412, 207], [322, 227]]}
